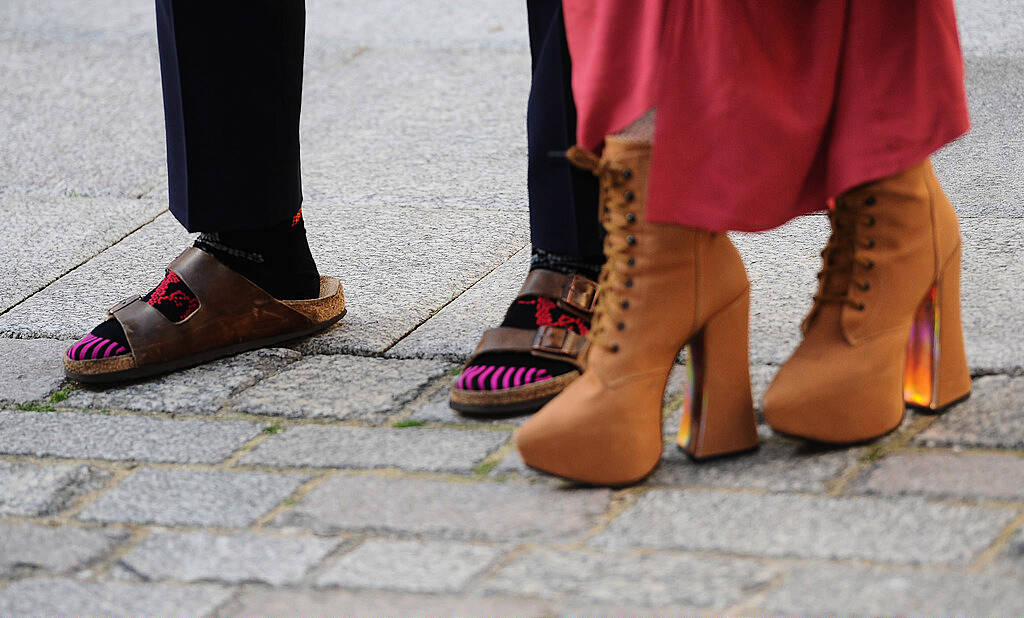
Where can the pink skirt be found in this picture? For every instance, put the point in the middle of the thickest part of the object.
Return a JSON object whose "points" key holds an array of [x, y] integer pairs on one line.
{"points": [[766, 110]]}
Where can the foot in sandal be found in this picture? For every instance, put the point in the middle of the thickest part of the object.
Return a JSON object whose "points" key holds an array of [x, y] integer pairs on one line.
{"points": [[228, 293], [535, 353]]}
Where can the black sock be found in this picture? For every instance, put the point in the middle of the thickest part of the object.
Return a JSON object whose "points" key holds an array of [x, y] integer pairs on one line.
{"points": [[588, 266], [277, 258]]}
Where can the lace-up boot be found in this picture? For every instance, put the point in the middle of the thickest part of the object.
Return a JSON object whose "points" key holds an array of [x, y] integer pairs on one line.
{"points": [[885, 325], [662, 287]]}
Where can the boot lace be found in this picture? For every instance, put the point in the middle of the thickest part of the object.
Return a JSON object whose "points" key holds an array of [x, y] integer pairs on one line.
{"points": [[840, 259], [617, 218]]}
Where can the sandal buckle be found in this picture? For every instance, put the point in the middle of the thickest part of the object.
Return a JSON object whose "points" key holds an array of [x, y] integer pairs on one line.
{"points": [[580, 293], [558, 341]]}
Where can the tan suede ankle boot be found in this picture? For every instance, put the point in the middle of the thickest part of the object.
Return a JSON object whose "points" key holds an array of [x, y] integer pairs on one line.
{"points": [[662, 287], [885, 325]]}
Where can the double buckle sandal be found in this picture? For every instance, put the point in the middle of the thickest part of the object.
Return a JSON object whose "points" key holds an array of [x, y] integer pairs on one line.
{"points": [[234, 315], [574, 294]]}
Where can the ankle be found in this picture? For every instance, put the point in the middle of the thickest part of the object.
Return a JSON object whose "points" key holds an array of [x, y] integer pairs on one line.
{"points": [[588, 266], [276, 258]]}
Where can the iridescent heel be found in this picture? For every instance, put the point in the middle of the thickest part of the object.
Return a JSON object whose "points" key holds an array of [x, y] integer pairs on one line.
{"points": [[718, 411], [936, 374]]}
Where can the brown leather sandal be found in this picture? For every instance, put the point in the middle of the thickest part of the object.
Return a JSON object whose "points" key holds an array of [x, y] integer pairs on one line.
{"points": [[234, 315], [574, 294]]}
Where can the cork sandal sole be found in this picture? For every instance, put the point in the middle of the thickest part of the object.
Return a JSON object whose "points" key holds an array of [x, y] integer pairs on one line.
{"points": [[324, 312], [524, 399]]}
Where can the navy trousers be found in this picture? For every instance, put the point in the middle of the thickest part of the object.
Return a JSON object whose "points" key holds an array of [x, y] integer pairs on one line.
{"points": [[232, 86]]}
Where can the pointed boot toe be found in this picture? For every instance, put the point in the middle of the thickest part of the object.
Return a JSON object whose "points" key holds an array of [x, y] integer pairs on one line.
{"points": [[858, 400], [578, 436]]}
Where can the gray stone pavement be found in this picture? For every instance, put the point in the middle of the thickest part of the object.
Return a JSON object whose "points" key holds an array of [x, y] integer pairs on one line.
{"points": [[330, 477]]}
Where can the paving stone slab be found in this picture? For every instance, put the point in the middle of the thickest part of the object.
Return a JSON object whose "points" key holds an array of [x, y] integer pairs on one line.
{"points": [[512, 464], [278, 602], [453, 134], [227, 558], [948, 475], [96, 436], [28, 547], [407, 448], [71, 306], [454, 331], [992, 417], [436, 410], [449, 24], [200, 390], [1011, 560], [52, 19], [822, 589], [192, 497], [904, 530], [341, 387], [777, 465], [980, 170], [67, 597], [401, 264], [46, 237], [781, 265], [410, 566], [459, 510], [81, 116], [630, 578], [990, 27], [991, 293], [30, 369], [395, 275], [31, 490]]}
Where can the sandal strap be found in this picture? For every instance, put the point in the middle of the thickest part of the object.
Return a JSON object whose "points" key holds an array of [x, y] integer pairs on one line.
{"points": [[574, 293], [547, 342], [232, 310]]}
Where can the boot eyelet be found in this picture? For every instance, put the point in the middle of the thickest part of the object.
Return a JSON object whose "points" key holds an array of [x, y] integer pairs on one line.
{"points": [[625, 304], [629, 283], [631, 240], [630, 217], [859, 307], [864, 286], [621, 326], [629, 196], [870, 264], [627, 173], [631, 262], [871, 244], [870, 201], [614, 348], [871, 221]]}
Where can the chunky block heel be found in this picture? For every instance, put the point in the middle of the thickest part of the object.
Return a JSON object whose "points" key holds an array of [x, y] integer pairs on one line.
{"points": [[718, 410], [936, 374]]}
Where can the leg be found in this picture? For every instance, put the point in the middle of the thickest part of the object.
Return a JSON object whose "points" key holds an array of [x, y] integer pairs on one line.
{"points": [[506, 374], [563, 199], [232, 77], [232, 83]]}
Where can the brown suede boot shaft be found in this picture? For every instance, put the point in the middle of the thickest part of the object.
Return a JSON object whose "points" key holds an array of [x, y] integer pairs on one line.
{"points": [[892, 241], [660, 285]]}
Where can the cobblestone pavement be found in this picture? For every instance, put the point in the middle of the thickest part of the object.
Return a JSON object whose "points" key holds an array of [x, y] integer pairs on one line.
{"points": [[330, 476]]}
